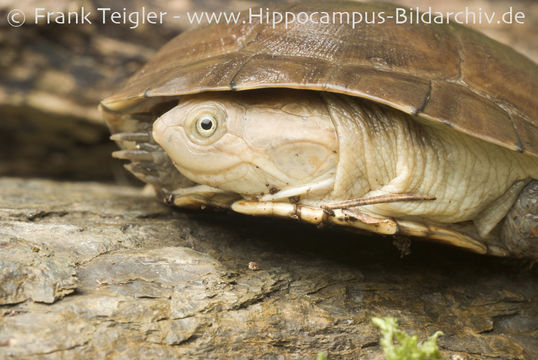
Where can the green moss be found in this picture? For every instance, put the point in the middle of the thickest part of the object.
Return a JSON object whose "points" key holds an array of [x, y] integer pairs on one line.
{"points": [[406, 347]]}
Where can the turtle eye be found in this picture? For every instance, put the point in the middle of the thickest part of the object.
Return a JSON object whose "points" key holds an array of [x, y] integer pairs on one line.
{"points": [[206, 125]]}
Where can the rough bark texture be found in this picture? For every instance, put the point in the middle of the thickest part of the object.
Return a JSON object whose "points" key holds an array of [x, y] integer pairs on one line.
{"points": [[95, 271]]}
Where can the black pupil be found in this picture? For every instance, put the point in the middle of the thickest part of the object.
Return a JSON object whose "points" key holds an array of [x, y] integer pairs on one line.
{"points": [[206, 124]]}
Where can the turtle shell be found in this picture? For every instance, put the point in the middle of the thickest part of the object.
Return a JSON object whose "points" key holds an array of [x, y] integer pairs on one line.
{"points": [[443, 73]]}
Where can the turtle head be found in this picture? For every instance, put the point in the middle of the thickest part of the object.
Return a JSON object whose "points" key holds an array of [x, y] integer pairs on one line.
{"points": [[254, 143]]}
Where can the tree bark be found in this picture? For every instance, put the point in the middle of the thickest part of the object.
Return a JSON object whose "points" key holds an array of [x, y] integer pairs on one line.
{"points": [[100, 271]]}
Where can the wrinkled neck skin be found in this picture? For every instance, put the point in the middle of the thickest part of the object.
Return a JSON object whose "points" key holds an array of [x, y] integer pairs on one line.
{"points": [[383, 151], [368, 142]]}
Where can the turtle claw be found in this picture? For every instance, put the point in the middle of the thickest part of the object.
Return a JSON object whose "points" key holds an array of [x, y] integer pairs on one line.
{"points": [[145, 171], [147, 168], [157, 157], [133, 155], [136, 137], [148, 147], [149, 162]]}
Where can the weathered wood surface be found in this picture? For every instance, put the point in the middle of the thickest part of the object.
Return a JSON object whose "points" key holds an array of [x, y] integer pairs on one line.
{"points": [[100, 271]]}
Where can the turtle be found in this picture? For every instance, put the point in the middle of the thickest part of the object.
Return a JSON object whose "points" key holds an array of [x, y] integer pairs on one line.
{"points": [[421, 130]]}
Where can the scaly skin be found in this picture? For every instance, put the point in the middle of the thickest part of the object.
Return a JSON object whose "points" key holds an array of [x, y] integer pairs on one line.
{"points": [[393, 153], [280, 141]]}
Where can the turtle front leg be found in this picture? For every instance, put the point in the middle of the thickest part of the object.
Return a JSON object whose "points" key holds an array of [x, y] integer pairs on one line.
{"points": [[149, 162]]}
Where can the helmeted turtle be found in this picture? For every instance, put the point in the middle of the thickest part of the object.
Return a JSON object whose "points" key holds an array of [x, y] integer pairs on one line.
{"points": [[413, 129]]}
